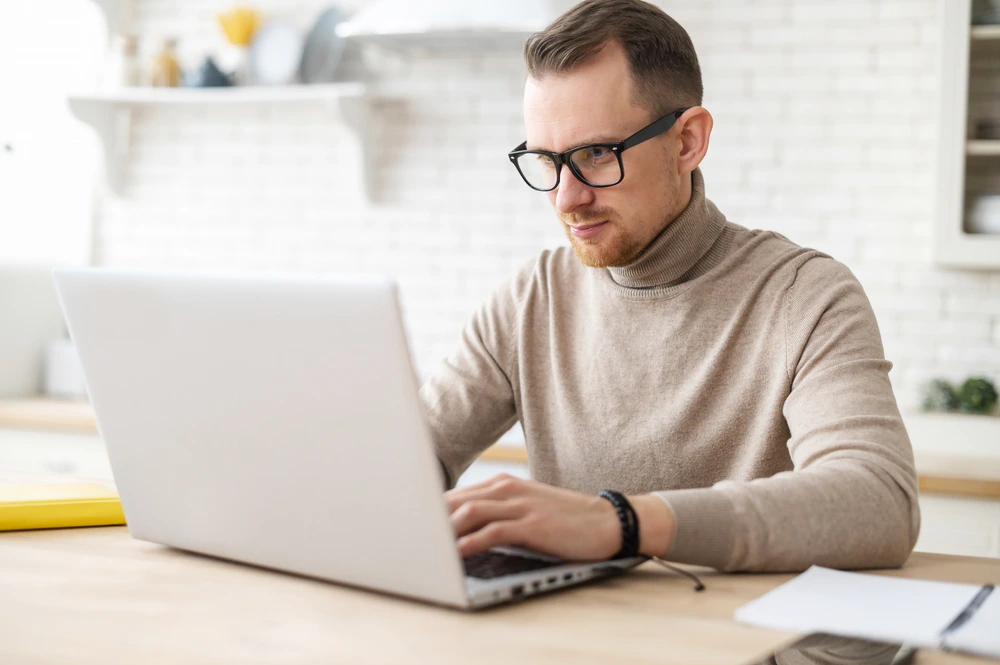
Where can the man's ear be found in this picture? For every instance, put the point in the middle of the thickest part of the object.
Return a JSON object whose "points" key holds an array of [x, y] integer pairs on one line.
{"points": [[694, 129]]}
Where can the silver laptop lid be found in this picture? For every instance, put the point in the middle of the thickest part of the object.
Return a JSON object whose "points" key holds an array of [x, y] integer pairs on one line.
{"points": [[267, 419]]}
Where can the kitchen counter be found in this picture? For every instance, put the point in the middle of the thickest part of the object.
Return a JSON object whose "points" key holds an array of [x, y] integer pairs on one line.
{"points": [[48, 414], [955, 454]]}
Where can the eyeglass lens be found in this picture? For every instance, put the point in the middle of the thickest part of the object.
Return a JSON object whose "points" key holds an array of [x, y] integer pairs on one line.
{"points": [[595, 165]]}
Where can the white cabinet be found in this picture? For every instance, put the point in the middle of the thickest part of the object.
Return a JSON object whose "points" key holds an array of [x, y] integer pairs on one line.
{"points": [[957, 454], [967, 168], [954, 525], [32, 451]]}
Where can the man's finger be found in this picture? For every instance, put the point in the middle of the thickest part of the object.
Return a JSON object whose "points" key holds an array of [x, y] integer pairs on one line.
{"points": [[496, 488], [494, 534], [482, 483], [474, 515]]}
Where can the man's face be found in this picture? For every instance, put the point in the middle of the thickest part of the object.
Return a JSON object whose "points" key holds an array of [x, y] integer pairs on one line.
{"points": [[606, 226]]}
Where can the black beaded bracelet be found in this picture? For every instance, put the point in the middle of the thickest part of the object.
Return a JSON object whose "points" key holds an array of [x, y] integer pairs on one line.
{"points": [[629, 520]]}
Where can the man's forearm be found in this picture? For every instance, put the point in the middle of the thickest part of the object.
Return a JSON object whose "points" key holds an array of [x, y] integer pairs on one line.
{"points": [[846, 515]]}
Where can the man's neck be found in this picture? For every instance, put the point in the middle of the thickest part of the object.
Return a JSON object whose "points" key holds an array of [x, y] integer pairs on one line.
{"points": [[679, 246]]}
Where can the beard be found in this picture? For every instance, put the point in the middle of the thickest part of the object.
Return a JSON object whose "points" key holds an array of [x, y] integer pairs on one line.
{"points": [[617, 245], [613, 246]]}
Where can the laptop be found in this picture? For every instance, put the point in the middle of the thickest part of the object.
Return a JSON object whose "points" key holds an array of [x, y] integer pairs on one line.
{"points": [[274, 420]]}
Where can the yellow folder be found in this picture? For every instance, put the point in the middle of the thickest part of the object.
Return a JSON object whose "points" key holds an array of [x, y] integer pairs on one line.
{"points": [[57, 505]]}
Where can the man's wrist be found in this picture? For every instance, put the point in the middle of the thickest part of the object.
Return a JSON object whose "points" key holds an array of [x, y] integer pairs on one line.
{"points": [[656, 524], [610, 530]]}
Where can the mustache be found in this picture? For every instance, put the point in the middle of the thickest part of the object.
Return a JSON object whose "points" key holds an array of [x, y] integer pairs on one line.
{"points": [[591, 215]]}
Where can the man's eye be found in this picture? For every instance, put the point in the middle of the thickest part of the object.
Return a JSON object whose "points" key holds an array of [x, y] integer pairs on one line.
{"points": [[545, 162], [595, 154]]}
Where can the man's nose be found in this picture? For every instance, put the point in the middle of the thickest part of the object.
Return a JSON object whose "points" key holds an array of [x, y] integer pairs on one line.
{"points": [[571, 193]]}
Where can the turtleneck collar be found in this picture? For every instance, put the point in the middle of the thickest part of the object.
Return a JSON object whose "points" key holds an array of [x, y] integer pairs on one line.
{"points": [[679, 247]]}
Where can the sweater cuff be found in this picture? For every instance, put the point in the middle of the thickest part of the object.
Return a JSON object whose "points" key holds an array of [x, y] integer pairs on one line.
{"points": [[704, 527]]}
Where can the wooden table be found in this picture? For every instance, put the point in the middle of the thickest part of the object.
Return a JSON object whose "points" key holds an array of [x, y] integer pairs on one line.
{"points": [[98, 596]]}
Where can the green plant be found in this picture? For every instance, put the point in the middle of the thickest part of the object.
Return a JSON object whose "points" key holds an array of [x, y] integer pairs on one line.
{"points": [[939, 396], [977, 395]]}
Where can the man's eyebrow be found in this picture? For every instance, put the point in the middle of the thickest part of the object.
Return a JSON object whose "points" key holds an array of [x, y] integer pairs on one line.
{"points": [[600, 138]]}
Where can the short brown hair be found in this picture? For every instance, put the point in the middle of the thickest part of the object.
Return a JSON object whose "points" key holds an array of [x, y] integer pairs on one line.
{"points": [[661, 56]]}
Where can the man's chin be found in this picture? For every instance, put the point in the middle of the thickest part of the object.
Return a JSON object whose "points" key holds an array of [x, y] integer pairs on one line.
{"points": [[590, 255], [608, 254]]}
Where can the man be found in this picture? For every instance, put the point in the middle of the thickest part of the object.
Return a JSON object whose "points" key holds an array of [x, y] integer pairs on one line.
{"points": [[729, 382]]}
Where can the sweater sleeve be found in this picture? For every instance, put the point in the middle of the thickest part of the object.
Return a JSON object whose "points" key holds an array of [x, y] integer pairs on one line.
{"points": [[469, 401], [851, 500]]}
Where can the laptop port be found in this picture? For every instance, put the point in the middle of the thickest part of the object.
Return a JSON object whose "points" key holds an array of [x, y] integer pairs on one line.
{"points": [[568, 576], [536, 585], [552, 580], [518, 590]]}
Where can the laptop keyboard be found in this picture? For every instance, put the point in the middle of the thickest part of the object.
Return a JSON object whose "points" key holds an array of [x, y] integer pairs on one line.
{"points": [[488, 565]]}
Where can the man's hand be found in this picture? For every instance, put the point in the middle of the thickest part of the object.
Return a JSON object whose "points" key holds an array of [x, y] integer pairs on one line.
{"points": [[575, 527]]}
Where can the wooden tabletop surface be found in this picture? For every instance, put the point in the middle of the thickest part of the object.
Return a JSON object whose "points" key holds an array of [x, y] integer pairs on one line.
{"points": [[97, 596]]}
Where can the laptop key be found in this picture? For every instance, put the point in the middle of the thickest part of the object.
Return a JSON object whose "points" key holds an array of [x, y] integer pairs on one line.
{"points": [[488, 565]]}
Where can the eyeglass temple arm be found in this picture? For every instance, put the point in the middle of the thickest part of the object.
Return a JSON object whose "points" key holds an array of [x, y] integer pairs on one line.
{"points": [[658, 127], [558, 157], [522, 146]]}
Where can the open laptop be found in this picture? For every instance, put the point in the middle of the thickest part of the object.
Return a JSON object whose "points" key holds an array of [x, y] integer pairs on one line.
{"points": [[274, 420]]}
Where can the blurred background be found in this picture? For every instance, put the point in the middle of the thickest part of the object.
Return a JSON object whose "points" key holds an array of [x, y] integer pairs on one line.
{"points": [[371, 136]]}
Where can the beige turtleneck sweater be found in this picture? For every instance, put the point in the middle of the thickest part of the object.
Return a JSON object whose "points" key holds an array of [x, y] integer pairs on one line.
{"points": [[738, 376]]}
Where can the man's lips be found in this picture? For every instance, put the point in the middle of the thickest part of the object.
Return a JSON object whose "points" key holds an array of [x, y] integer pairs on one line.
{"points": [[587, 230]]}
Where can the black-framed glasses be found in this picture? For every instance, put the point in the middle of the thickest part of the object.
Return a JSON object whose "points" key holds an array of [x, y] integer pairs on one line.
{"points": [[594, 164]]}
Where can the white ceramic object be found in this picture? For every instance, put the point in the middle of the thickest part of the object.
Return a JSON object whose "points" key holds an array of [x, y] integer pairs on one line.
{"points": [[275, 54], [323, 49], [233, 60], [985, 215], [29, 318], [63, 372], [121, 66]]}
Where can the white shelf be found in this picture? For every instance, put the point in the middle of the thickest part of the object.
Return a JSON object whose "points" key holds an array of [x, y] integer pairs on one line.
{"points": [[953, 247], [328, 92], [985, 32], [973, 251], [110, 114], [982, 147]]}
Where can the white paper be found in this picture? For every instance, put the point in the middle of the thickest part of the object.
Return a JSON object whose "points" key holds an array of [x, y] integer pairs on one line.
{"points": [[889, 609], [981, 634]]}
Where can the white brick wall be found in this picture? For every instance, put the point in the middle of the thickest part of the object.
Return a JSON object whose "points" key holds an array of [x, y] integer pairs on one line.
{"points": [[825, 131]]}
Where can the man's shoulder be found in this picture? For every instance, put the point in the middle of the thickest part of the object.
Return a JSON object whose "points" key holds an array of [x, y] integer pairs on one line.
{"points": [[765, 246], [531, 277], [798, 265], [815, 268], [810, 281], [546, 268]]}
